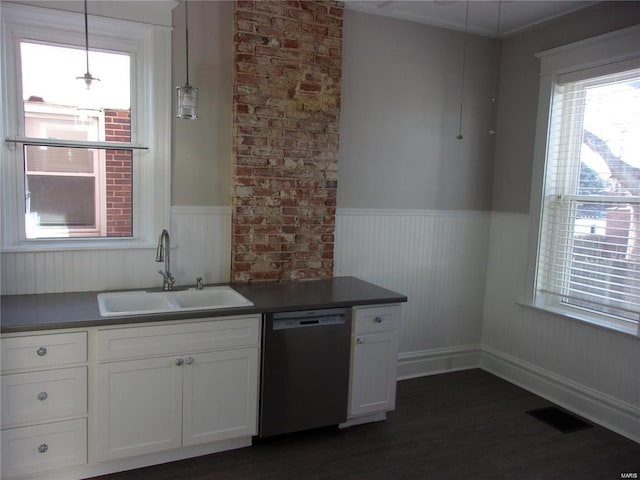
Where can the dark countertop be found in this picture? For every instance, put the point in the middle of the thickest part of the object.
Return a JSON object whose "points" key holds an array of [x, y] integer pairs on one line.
{"points": [[21, 313]]}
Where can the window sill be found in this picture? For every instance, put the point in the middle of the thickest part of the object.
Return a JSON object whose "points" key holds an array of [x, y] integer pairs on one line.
{"points": [[78, 245], [576, 316]]}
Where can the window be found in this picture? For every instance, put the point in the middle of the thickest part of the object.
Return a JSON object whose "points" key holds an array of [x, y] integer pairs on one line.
{"points": [[588, 257], [75, 190], [83, 167]]}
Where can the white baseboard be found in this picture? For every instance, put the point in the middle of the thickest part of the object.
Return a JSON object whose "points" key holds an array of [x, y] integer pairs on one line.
{"points": [[438, 360], [611, 413]]}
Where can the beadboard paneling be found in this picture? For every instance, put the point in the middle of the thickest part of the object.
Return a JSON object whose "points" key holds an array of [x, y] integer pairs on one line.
{"points": [[200, 247], [438, 259], [202, 236], [599, 368]]}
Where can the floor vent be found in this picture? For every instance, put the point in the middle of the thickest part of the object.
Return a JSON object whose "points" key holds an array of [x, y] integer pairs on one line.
{"points": [[559, 419]]}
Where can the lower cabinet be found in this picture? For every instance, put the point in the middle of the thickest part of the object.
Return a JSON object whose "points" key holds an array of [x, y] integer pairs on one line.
{"points": [[149, 405], [220, 396], [43, 399], [40, 448], [374, 373], [374, 360]]}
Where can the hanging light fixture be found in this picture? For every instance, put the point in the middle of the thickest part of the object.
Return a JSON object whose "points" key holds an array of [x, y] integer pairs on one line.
{"points": [[464, 62], [187, 96], [87, 78], [494, 95]]}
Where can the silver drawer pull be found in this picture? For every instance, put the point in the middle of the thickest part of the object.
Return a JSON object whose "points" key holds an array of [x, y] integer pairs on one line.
{"points": [[188, 360], [179, 361], [360, 340], [42, 396], [42, 351], [378, 319], [43, 448]]}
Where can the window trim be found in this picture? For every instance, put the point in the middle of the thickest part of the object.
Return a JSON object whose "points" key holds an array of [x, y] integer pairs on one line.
{"points": [[150, 113], [614, 51]]}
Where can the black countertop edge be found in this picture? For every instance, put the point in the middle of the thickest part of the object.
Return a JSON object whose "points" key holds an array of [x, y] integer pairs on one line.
{"points": [[53, 311]]}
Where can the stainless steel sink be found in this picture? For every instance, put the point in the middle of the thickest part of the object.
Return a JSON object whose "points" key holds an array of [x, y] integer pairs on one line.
{"points": [[143, 302]]}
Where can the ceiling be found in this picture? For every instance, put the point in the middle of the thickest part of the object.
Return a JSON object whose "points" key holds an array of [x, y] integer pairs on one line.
{"points": [[515, 15]]}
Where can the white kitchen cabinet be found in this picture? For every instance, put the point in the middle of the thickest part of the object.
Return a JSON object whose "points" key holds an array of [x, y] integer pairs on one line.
{"points": [[43, 395], [43, 402], [139, 407], [42, 448], [185, 397], [220, 396], [374, 359]]}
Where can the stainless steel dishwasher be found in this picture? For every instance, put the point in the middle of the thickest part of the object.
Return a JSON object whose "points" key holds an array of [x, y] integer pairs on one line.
{"points": [[305, 370]]}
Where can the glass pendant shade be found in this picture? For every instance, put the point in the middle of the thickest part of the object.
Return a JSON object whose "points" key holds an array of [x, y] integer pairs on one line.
{"points": [[187, 96], [187, 106]]}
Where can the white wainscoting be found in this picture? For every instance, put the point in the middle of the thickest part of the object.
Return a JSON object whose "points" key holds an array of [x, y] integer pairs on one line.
{"points": [[587, 369], [438, 260], [201, 246], [612, 413]]}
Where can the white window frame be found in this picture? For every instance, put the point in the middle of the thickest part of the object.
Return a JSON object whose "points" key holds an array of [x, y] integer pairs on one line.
{"points": [[150, 49], [601, 55], [41, 112]]}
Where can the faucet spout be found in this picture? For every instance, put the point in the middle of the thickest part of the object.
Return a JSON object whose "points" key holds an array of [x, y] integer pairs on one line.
{"points": [[163, 253]]}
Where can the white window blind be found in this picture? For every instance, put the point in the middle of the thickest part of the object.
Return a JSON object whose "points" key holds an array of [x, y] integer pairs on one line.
{"points": [[589, 254]]}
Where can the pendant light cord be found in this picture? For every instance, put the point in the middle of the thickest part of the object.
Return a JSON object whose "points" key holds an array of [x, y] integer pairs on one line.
{"points": [[186, 34], [464, 61], [494, 95], [86, 33]]}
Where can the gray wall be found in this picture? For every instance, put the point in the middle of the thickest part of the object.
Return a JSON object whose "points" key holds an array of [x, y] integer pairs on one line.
{"points": [[201, 167], [588, 369], [399, 117], [518, 94]]}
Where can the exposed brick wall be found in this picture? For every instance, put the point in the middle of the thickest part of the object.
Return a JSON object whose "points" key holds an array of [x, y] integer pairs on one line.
{"points": [[286, 105], [118, 174]]}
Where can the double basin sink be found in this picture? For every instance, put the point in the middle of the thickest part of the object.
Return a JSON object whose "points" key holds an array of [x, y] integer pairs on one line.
{"points": [[144, 302]]}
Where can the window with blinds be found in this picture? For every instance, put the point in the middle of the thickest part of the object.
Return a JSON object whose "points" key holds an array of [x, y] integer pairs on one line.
{"points": [[589, 253]]}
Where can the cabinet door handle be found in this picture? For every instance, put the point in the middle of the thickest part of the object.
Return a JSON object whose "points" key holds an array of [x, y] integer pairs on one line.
{"points": [[43, 448], [42, 396], [188, 360], [360, 340], [179, 361], [42, 351], [378, 320]]}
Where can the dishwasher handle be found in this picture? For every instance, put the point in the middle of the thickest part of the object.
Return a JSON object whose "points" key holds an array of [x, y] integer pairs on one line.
{"points": [[309, 318]]}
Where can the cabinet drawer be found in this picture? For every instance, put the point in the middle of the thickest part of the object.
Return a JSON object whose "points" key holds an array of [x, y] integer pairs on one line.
{"points": [[178, 338], [42, 351], [30, 397], [376, 319], [44, 447]]}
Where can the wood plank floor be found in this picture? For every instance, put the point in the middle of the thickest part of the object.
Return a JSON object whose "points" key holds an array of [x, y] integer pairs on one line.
{"points": [[467, 424]]}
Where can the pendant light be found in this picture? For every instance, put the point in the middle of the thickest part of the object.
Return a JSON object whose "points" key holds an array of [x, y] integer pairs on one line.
{"points": [[87, 78], [187, 96], [464, 62], [494, 95]]}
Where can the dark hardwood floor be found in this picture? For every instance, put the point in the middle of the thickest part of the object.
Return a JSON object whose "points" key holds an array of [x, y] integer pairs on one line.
{"points": [[459, 425]]}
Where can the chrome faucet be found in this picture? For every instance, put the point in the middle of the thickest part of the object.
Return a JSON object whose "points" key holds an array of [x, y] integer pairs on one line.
{"points": [[163, 255]]}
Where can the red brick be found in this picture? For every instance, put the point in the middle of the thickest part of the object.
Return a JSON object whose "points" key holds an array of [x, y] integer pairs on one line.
{"points": [[251, 16], [287, 95]]}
